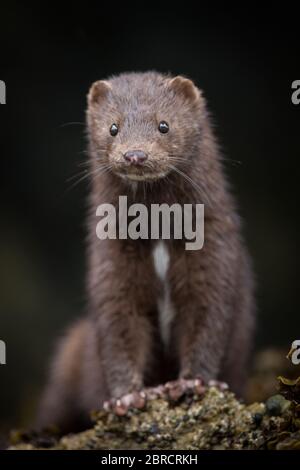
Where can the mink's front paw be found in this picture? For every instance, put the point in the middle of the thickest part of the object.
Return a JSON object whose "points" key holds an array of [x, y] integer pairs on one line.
{"points": [[181, 387], [220, 385], [120, 406], [172, 391]]}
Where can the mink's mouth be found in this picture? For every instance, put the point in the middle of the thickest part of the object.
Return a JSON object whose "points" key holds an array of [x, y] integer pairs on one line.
{"points": [[137, 165], [140, 173], [142, 176]]}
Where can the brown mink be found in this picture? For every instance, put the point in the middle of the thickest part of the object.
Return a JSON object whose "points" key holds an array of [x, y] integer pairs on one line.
{"points": [[156, 311]]}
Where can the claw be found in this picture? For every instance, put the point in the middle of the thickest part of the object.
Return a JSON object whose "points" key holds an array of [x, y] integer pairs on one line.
{"points": [[120, 406], [120, 409], [216, 383]]}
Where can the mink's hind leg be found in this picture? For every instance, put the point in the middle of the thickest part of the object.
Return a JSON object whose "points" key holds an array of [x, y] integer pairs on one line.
{"points": [[61, 403]]}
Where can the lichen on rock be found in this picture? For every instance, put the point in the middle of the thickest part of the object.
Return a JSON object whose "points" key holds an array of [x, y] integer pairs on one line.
{"points": [[207, 418]]}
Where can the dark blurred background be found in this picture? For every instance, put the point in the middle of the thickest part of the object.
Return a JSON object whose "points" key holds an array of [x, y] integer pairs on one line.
{"points": [[245, 61]]}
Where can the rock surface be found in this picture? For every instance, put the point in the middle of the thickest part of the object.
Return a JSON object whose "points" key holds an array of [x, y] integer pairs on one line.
{"points": [[186, 415]]}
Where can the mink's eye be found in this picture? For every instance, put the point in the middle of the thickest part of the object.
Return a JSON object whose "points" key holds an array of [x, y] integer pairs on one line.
{"points": [[163, 127], [113, 129]]}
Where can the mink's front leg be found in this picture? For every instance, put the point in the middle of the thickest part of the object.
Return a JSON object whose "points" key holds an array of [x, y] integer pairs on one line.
{"points": [[123, 295], [203, 293]]}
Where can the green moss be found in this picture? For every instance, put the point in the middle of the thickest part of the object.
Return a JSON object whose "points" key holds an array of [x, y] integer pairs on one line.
{"points": [[215, 420]]}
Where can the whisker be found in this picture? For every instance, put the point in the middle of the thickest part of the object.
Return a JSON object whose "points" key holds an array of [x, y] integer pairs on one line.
{"points": [[198, 188], [76, 175], [86, 174], [231, 161], [82, 172], [72, 123], [181, 161], [84, 164]]}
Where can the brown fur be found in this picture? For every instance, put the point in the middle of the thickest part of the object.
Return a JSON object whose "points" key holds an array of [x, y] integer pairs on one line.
{"points": [[119, 348]]}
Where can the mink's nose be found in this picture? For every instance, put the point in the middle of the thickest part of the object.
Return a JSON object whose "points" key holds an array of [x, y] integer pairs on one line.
{"points": [[136, 157]]}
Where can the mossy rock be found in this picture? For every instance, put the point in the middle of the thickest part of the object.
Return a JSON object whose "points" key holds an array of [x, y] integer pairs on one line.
{"points": [[212, 420]]}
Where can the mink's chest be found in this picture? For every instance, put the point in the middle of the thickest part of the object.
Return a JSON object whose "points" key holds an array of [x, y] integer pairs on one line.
{"points": [[166, 311]]}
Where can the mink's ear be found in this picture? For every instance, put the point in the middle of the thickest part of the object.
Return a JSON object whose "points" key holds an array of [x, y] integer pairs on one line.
{"points": [[98, 91], [185, 87]]}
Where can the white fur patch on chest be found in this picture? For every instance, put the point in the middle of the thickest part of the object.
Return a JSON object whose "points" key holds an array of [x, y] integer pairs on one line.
{"points": [[166, 311]]}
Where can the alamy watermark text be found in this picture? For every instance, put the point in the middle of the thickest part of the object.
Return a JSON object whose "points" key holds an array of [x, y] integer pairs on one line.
{"points": [[2, 92], [2, 352], [160, 221], [295, 352]]}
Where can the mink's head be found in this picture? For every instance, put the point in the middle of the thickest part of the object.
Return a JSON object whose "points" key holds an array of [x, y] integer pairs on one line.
{"points": [[142, 126]]}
